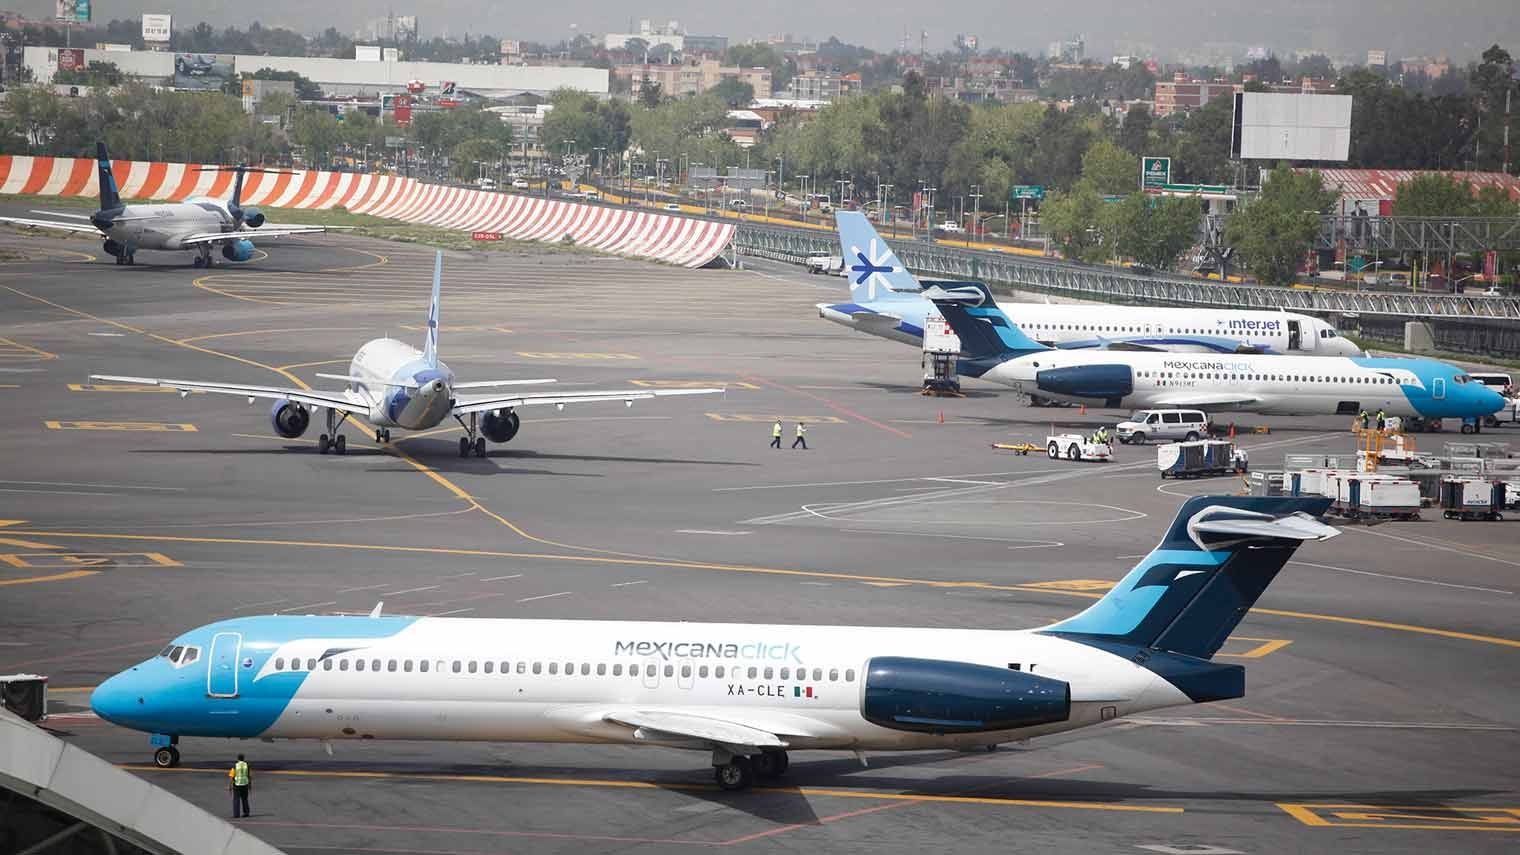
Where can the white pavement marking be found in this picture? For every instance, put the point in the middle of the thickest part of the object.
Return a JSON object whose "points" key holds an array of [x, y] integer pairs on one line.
{"points": [[410, 590], [1402, 578], [102, 486], [308, 606], [626, 584], [1187, 849], [1435, 546], [37, 492], [364, 588], [968, 481], [260, 605], [1204, 721], [109, 334], [1031, 544], [876, 481], [709, 531], [451, 612], [546, 596], [501, 578]]}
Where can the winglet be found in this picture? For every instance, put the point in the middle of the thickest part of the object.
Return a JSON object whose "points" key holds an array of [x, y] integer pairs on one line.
{"points": [[430, 347], [375, 612]]}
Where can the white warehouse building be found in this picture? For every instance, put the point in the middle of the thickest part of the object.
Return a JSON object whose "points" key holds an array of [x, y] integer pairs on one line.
{"points": [[350, 77]]}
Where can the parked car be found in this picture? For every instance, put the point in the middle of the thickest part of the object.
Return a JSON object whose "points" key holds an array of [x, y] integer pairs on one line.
{"points": [[673, 206], [738, 204], [519, 184], [949, 227]]}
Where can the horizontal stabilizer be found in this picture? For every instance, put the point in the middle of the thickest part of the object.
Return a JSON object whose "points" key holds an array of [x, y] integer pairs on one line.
{"points": [[487, 384], [1221, 527], [84, 217]]}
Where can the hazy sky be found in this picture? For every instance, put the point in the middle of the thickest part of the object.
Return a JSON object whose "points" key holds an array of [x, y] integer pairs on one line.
{"points": [[1460, 28]]}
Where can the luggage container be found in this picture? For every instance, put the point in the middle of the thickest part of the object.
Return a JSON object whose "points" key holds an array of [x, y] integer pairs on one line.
{"points": [[1472, 499], [1269, 483], [1201, 458], [1360, 496]]}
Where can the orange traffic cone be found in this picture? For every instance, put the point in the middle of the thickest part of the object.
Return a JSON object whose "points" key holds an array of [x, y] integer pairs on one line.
{"points": [[941, 416]]}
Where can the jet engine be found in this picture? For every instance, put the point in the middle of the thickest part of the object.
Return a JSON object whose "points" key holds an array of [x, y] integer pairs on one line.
{"points": [[114, 248], [253, 217], [500, 425], [936, 696], [290, 419], [238, 250]]}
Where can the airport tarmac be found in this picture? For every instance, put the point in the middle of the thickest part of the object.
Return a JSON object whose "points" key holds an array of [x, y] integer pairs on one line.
{"points": [[1382, 713]]}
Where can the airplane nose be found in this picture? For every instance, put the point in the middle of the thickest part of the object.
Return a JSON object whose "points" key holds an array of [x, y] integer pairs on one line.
{"points": [[117, 700]]}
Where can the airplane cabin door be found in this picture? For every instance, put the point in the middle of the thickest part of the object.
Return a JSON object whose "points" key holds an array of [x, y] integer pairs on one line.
{"points": [[1438, 388], [1296, 336], [222, 669]]}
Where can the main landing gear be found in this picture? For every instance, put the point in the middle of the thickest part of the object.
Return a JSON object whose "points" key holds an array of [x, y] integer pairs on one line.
{"points": [[127, 258], [383, 434], [735, 772], [472, 441], [332, 439], [203, 256]]}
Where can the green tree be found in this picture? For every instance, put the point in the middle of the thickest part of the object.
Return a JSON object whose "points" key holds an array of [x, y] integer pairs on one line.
{"points": [[1433, 195], [1109, 169], [1072, 221], [589, 122], [734, 92], [1135, 133], [1275, 230], [1153, 230], [317, 131], [649, 95]]}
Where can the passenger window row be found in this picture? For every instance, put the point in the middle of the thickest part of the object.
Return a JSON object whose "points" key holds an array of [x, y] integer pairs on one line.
{"points": [[1280, 378], [569, 669]]}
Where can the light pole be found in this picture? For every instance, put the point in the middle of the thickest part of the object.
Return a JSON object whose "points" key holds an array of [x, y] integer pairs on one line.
{"points": [[802, 188], [929, 213], [976, 210], [781, 173]]}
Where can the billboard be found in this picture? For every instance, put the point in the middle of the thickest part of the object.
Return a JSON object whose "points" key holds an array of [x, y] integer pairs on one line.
{"points": [[392, 54], [1155, 172], [1283, 126], [71, 59], [72, 11], [202, 70], [367, 53], [155, 28]]}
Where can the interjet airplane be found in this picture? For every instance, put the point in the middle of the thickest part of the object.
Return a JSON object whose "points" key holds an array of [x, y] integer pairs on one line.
{"points": [[198, 224], [746, 693], [394, 385], [885, 301], [995, 348]]}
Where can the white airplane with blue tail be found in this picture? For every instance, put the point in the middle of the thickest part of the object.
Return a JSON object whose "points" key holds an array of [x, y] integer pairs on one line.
{"points": [[747, 694], [394, 385], [885, 301]]}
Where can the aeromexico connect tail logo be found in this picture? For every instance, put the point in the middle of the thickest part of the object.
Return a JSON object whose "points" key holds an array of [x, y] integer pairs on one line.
{"points": [[871, 266]]}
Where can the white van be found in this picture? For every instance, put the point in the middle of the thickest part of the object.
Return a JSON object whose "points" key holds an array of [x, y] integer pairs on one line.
{"points": [[1146, 425]]}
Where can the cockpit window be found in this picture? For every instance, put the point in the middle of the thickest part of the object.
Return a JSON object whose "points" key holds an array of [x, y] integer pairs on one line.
{"points": [[168, 648], [190, 655], [174, 654], [1461, 378]]}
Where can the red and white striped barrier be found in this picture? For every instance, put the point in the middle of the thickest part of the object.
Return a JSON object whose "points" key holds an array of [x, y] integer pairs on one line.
{"points": [[623, 231]]}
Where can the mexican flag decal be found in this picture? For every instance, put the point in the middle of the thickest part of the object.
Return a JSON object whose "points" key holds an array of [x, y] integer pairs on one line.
{"points": [[802, 691]]}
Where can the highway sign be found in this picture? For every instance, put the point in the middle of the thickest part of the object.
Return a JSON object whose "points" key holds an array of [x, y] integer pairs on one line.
{"points": [[1027, 191], [1155, 172]]}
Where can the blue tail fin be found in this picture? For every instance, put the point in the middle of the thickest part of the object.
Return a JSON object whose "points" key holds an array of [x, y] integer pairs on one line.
{"points": [[1188, 594], [110, 196], [874, 271], [987, 336], [430, 346], [1177, 607]]}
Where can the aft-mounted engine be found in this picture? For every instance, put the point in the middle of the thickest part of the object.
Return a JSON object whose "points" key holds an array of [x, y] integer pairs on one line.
{"points": [[290, 418], [936, 696], [237, 250], [500, 425], [253, 217]]}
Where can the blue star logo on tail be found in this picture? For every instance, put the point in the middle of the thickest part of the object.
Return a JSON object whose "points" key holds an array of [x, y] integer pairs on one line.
{"points": [[872, 266]]}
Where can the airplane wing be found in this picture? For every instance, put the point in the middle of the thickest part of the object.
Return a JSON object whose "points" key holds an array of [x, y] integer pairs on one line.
{"points": [[675, 727], [312, 397], [281, 231], [483, 403], [1215, 399], [486, 384], [66, 216], [51, 224]]}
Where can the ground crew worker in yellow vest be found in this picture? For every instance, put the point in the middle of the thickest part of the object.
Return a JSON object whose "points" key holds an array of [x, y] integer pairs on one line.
{"points": [[1363, 416], [801, 436], [239, 783], [1382, 419], [776, 434]]}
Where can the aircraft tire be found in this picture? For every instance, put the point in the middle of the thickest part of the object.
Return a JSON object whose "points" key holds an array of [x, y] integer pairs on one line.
{"points": [[464, 446], [480, 446], [322, 443], [340, 445], [770, 764], [166, 757], [737, 774]]}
